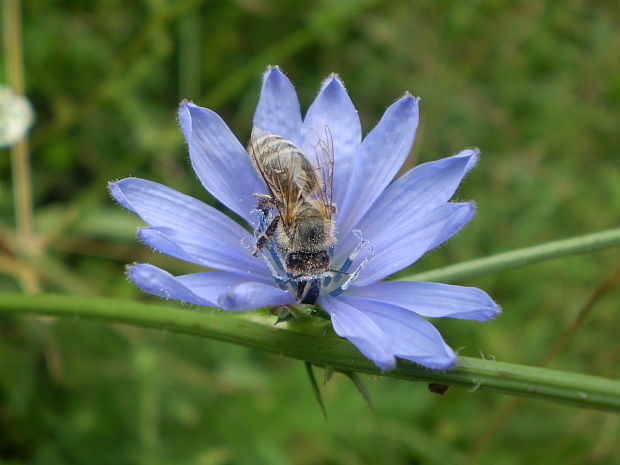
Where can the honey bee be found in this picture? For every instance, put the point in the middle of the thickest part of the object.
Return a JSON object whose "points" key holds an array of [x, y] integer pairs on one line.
{"points": [[300, 194]]}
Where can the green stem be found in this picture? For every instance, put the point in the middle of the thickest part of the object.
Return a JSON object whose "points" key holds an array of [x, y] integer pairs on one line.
{"points": [[20, 161], [520, 257], [570, 388]]}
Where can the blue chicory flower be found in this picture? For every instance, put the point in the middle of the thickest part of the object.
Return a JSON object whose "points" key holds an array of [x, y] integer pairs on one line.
{"points": [[381, 227]]}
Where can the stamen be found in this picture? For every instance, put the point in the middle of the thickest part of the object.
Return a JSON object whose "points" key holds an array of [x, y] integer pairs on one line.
{"points": [[269, 255], [352, 277], [272, 259], [339, 279], [349, 261], [248, 242], [263, 221], [360, 244]]}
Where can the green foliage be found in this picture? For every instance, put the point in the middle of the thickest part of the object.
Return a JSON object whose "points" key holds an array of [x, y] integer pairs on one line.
{"points": [[535, 85]]}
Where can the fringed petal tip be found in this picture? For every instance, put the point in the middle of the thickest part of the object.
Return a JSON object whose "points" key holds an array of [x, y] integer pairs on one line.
{"points": [[278, 109], [409, 98], [333, 80], [156, 281], [472, 154], [484, 308], [187, 111], [490, 313], [273, 76], [157, 240], [433, 300], [185, 119], [405, 107], [219, 159], [184, 107], [115, 189], [131, 191], [382, 153], [272, 71]]}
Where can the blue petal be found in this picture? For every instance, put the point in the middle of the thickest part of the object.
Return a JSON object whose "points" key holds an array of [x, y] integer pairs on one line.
{"points": [[361, 330], [333, 108], [417, 193], [251, 295], [161, 206], [431, 299], [278, 108], [407, 243], [463, 213], [410, 199], [220, 161], [237, 292], [158, 282], [194, 249], [415, 338], [381, 155]]}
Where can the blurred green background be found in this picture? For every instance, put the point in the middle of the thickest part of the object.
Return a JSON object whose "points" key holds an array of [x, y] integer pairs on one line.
{"points": [[535, 85]]}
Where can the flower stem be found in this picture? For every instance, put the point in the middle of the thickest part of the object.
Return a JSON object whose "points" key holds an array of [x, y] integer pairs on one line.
{"points": [[520, 257], [543, 383], [20, 162]]}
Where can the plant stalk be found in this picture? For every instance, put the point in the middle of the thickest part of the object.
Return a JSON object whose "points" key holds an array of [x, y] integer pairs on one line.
{"points": [[520, 257], [509, 378]]}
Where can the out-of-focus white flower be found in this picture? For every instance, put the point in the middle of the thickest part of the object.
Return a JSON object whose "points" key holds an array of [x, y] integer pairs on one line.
{"points": [[16, 116]]}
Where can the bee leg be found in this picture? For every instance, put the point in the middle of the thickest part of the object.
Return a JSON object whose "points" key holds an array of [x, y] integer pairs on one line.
{"points": [[264, 203], [313, 292], [346, 273], [264, 238], [301, 287]]}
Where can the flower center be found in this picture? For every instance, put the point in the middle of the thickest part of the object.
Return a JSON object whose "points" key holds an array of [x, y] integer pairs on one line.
{"points": [[307, 287]]}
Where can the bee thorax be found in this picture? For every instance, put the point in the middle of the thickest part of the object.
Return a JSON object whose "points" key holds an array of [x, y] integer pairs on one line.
{"points": [[312, 232]]}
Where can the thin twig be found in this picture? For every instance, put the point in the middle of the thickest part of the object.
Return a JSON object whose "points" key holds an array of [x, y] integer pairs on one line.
{"points": [[19, 152]]}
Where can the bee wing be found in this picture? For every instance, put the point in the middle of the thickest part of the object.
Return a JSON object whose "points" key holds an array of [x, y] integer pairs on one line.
{"points": [[265, 149], [324, 159]]}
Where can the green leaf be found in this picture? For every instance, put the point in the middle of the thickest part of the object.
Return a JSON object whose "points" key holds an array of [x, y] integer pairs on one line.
{"points": [[315, 388], [361, 387], [327, 374]]}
